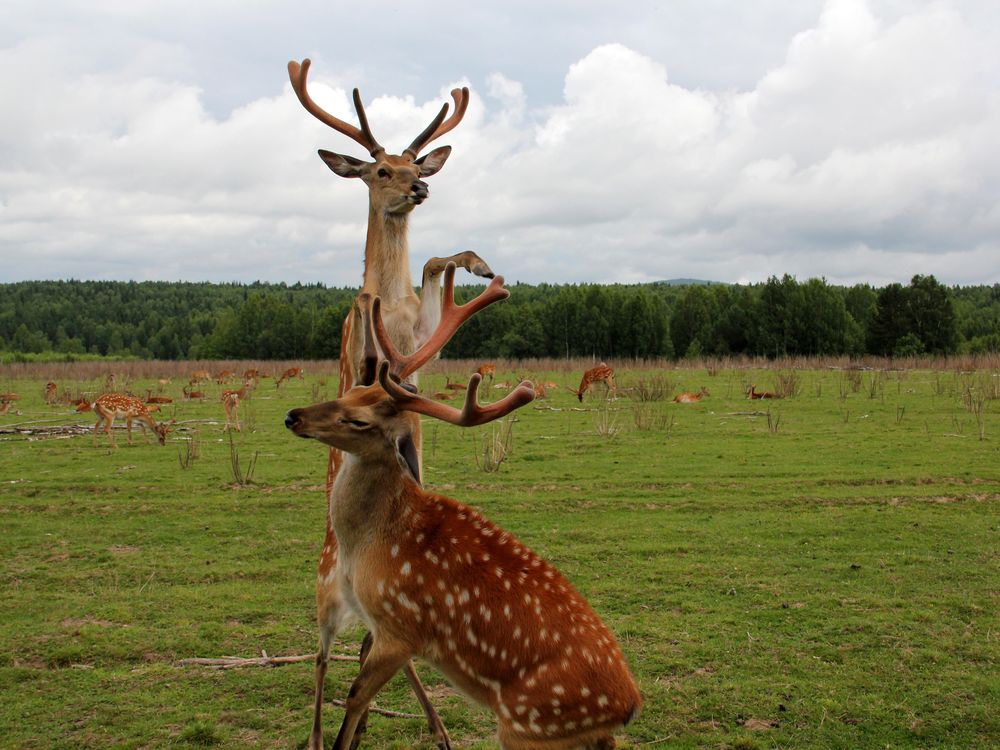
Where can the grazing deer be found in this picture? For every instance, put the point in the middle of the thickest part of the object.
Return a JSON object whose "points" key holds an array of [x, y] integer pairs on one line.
{"points": [[753, 394], [291, 372], [432, 577], [224, 377], [487, 370], [395, 187], [691, 398], [231, 403], [199, 376], [600, 374], [112, 405]]}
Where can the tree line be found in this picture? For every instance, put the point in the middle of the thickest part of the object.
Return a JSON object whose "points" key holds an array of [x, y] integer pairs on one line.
{"points": [[781, 316]]}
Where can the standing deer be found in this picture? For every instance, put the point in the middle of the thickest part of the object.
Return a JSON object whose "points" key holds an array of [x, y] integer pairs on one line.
{"points": [[432, 577], [291, 372], [600, 374], [395, 187], [231, 403], [113, 405]]}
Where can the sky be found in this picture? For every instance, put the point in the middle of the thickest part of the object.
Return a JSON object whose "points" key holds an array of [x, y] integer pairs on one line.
{"points": [[854, 140]]}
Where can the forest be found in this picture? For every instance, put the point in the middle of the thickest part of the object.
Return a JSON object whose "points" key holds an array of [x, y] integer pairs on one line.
{"points": [[778, 317]]}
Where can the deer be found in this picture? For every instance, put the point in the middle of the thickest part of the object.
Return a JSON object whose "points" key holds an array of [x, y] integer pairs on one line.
{"points": [[395, 186], [753, 394], [7, 400], [112, 405], [291, 372], [691, 398], [231, 403], [51, 396], [151, 399], [190, 395], [224, 377], [434, 578], [600, 374], [199, 376], [487, 370]]}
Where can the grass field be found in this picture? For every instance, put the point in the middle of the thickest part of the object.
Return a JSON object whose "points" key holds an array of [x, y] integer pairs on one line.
{"points": [[821, 571]]}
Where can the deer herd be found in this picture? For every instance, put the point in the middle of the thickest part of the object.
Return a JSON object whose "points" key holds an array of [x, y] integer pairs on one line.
{"points": [[428, 576]]}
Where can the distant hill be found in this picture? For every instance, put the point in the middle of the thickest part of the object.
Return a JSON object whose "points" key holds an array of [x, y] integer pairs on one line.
{"points": [[687, 282]]}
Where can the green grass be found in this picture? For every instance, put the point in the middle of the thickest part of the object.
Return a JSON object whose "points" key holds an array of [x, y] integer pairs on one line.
{"points": [[831, 584]]}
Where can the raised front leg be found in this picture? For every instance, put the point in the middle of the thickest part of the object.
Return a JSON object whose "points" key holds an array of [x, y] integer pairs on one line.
{"points": [[430, 288]]}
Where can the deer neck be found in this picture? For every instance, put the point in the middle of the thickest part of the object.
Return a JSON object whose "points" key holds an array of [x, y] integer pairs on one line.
{"points": [[387, 256], [369, 495]]}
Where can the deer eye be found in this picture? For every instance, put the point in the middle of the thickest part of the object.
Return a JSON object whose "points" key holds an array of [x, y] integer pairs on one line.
{"points": [[356, 423], [383, 172]]}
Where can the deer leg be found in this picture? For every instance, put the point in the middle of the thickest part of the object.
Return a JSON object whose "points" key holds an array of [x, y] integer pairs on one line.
{"points": [[322, 661], [366, 647], [383, 661], [430, 288], [434, 722], [236, 415], [108, 421]]}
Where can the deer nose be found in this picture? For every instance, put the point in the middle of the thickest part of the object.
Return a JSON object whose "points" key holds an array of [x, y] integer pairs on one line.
{"points": [[291, 419], [419, 189]]}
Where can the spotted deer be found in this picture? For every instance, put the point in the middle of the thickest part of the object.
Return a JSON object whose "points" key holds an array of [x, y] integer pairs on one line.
{"points": [[231, 403], [396, 186], [600, 374], [433, 578], [113, 405]]}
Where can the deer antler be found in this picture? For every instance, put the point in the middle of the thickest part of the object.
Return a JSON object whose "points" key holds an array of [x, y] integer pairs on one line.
{"points": [[298, 74], [471, 415], [437, 128], [452, 317]]}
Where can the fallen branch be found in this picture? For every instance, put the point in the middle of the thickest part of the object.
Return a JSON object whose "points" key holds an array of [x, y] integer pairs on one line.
{"points": [[235, 662], [383, 711]]}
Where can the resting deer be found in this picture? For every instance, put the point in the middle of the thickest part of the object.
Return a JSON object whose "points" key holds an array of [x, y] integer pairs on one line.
{"points": [[6, 400], [600, 374], [691, 398], [112, 405], [433, 578], [395, 187], [231, 403], [753, 394]]}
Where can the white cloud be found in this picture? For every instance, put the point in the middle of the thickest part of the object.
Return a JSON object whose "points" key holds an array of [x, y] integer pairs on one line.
{"points": [[866, 154]]}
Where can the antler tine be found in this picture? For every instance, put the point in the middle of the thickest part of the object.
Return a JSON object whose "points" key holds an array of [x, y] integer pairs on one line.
{"points": [[298, 73], [437, 128], [363, 119], [452, 317], [472, 413]]}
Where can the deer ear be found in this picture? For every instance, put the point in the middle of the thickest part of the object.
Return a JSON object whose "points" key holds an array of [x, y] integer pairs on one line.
{"points": [[345, 166], [406, 454], [432, 162]]}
